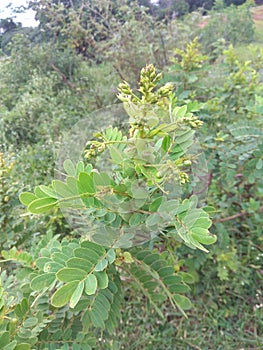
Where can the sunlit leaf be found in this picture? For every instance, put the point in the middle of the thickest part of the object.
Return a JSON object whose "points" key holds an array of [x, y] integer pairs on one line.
{"points": [[91, 284], [62, 296]]}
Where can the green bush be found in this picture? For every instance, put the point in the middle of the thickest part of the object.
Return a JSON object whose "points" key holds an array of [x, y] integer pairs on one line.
{"points": [[70, 288], [233, 24], [19, 172], [231, 106], [43, 92]]}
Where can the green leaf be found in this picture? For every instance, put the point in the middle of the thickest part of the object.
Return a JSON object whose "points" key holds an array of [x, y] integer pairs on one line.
{"points": [[169, 208], [43, 281], [25, 333], [179, 288], [39, 193], [26, 198], [151, 258], [80, 168], [186, 277], [10, 346], [24, 307], [166, 142], [135, 219], [116, 155], [203, 236], [111, 256], [153, 220], [102, 279], [102, 179], [23, 346], [209, 209], [182, 301], [30, 322], [94, 247], [91, 284], [72, 183], [88, 168], [69, 167], [52, 266], [168, 271], [40, 262], [96, 319], [60, 258], [62, 189], [76, 295], [139, 191], [101, 265], [80, 263], [42, 205], [85, 184], [4, 339], [109, 217], [179, 112], [259, 164], [68, 274], [66, 347], [88, 254], [48, 191], [62, 296], [155, 204]]}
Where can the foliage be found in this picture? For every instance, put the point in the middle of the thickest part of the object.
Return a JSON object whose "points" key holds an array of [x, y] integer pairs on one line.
{"points": [[236, 153], [100, 33], [233, 24], [6, 189], [239, 150], [12, 226], [47, 84], [16, 173], [43, 92], [187, 68], [172, 8], [236, 97], [231, 135], [191, 58], [82, 277]]}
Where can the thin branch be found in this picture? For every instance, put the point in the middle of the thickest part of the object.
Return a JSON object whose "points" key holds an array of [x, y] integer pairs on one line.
{"points": [[63, 76], [238, 215]]}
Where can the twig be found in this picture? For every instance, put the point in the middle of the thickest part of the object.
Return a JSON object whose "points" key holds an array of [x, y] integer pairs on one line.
{"points": [[62, 75], [238, 215]]}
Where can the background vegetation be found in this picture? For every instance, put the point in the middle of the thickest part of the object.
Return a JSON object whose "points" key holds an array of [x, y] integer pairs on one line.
{"points": [[70, 65]]}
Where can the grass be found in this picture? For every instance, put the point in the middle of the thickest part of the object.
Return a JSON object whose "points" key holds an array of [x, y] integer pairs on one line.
{"points": [[218, 321], [210, 326]]}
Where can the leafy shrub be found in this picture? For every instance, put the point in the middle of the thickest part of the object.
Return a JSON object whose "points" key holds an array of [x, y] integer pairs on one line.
{"points": [[188, 67], [172, 8], [17, 173], [233, 24], [82, 277], [236, 97], [7, 200], [43, 92], [232, 136]]}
